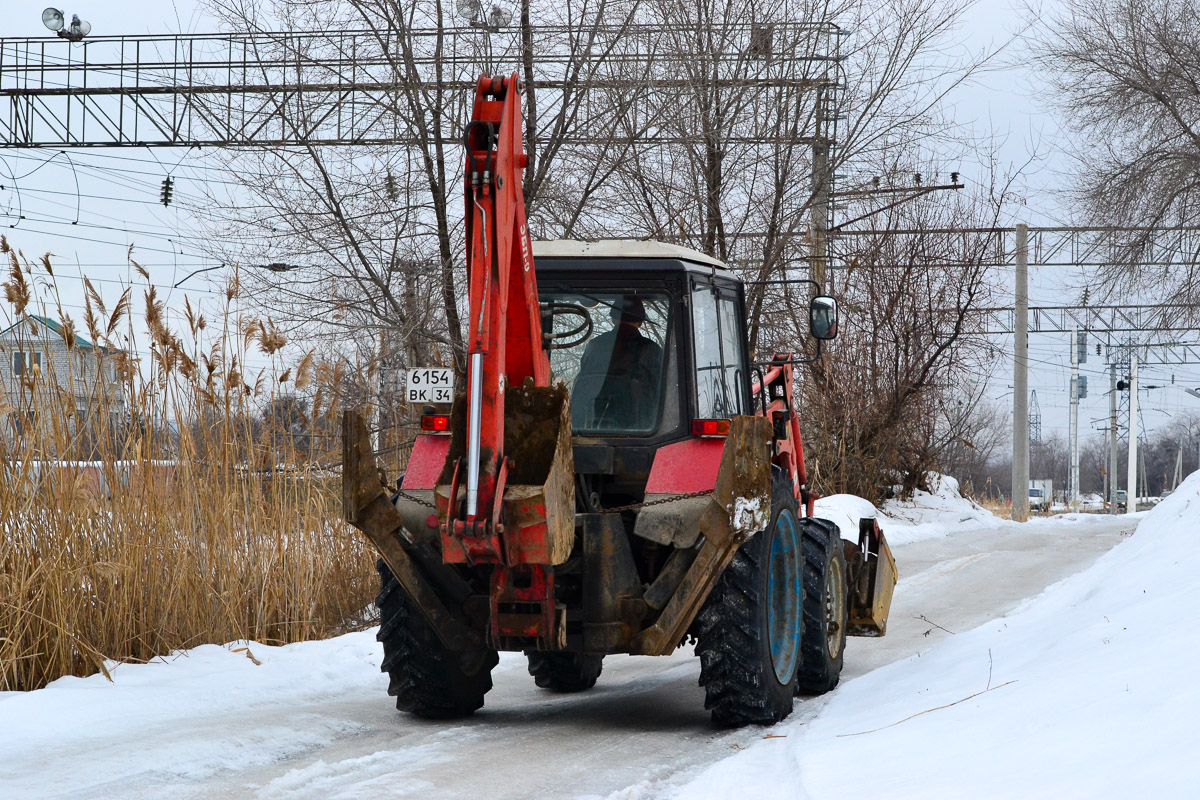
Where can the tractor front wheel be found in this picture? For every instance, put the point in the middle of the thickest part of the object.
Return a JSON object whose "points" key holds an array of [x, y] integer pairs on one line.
{"points": [[825, 613]]}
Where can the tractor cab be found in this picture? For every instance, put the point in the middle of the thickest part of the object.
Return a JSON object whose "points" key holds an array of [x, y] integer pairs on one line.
{"points": [[650, 340]]}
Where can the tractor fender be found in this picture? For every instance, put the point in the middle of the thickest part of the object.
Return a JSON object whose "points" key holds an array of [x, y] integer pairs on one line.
{"points": [[415, 501], [678, 469]]}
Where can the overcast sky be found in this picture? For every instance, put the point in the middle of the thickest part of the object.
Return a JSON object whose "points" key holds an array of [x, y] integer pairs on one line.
{"points": [[118, 196]]}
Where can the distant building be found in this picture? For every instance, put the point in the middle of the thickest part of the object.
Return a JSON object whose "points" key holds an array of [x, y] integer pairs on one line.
{"points": [[84, 372]]}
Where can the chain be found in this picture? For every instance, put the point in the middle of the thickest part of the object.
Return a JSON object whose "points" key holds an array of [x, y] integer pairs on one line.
{"points": [[614, 510], [416, 500], [661, 501]]}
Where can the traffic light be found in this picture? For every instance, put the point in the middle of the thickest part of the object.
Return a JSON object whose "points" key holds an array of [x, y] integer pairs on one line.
{"points": [[167, 190], [1082, 385], [1122, 386]]}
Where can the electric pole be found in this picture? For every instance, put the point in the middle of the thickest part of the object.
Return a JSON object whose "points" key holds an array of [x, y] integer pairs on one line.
{"points": [[1131, 488], [1020, 463], [1112, 439], [819, 232], [1073, 456]]}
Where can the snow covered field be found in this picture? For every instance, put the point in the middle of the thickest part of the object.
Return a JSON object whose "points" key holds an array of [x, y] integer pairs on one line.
{"points": [[1100, 691], [1086, 691]]}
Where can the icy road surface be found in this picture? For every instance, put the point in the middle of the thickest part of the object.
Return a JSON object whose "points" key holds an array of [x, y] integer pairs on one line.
{"points": [[314, 720]]}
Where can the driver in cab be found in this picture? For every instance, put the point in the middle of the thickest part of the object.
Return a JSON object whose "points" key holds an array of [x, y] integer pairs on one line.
{"points": [[630, 363]]}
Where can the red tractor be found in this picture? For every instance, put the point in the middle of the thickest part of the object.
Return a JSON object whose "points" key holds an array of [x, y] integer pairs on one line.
{"points": [[618, 476]]}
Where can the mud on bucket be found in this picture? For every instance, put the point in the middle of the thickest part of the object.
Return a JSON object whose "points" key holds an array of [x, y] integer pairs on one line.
{"points": [[539, 500]]}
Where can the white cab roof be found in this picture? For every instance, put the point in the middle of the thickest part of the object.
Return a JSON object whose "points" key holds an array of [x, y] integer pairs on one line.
{"points": [[621, 248]]}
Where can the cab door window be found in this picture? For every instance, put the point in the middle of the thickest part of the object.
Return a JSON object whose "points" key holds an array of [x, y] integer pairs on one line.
{"points": [[716, 339]]}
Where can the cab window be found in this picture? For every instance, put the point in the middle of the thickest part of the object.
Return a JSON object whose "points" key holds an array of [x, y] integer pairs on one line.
{"points": [[616, 372], [719, 361]]}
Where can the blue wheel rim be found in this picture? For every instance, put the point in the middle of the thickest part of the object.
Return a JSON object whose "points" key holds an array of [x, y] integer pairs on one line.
{"points": [[783, 590]]}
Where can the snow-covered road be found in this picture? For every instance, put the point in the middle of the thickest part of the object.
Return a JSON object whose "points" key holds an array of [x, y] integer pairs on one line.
{"points": [[313, 720]]}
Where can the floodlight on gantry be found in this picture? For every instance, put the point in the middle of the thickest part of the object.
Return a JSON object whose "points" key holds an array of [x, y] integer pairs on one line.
{"points": [[52, 18], [78, 28], [499, 17], [470, 10]]}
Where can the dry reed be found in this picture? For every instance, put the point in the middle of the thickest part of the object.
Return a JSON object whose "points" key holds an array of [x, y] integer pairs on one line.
{"points": [[145, 504]]}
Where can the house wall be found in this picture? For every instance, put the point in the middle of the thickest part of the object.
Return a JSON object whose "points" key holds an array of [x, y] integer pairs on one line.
{"points": [[75, 371]]}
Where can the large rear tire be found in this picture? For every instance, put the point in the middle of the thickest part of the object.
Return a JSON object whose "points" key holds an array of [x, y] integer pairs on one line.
{"points": [[823, 644], [750, 627], [565, 672], [427, 679]]}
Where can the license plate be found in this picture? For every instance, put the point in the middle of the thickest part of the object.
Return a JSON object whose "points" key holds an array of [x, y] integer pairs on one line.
{"points": [[429, 385]]}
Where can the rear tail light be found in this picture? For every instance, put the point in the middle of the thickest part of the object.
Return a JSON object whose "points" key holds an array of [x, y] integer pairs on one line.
{"points": [[435, 423], [710, 427]]}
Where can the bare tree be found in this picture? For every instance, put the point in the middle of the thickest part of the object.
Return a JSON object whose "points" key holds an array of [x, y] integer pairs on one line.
{"points": [[1093, 464], [372, 234], [972, 435], [745, 146], [1125, 72], [883, 406], [1049, 458], [684, 121], [705, 123]]}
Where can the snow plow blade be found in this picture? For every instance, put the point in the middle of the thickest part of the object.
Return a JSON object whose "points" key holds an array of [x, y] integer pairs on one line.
{"points": [[872, 573]]}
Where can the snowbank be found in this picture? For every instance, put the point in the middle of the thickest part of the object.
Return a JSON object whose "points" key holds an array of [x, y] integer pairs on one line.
{"points": [[927, 515], [1087, 691], [172, 695], [188, 717]]}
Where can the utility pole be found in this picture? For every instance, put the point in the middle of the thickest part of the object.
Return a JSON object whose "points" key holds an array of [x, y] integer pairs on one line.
{"points": [[1131, 488], [1104, 472], [1020, 463], [820, 183], [1112, 439], [379, 387], [1073, 456], [1143, 475]]}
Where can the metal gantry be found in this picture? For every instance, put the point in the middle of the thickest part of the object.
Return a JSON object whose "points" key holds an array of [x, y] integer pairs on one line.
{"points": [[1071, 246], [1096, 319], [736, 92], [347, 87]]}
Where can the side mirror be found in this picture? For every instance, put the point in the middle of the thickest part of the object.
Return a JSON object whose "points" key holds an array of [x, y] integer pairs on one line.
{"points": [[823, 317]]}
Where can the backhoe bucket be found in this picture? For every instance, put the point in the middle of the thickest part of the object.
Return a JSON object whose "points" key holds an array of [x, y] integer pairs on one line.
{"points": [[538, 514], [872, 580]]}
